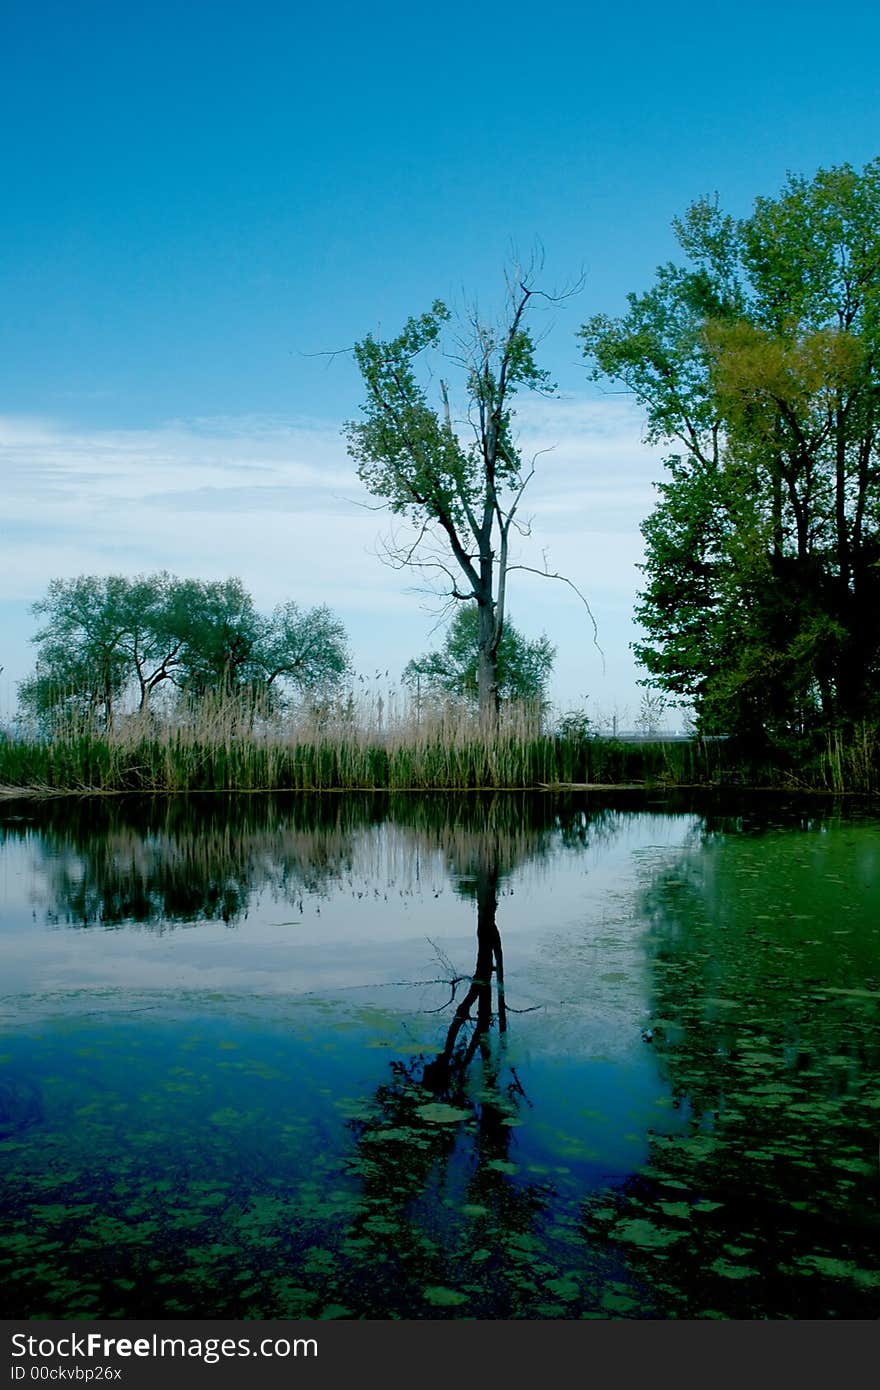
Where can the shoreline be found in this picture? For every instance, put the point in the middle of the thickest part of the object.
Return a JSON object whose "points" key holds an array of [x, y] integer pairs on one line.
{"points": [[37, 793]]}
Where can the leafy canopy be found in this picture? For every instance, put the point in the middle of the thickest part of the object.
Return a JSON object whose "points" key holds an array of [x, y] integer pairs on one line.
{"points": [[456, 483], [758, 361], [524, 666], [407, 450], [106, 638]]}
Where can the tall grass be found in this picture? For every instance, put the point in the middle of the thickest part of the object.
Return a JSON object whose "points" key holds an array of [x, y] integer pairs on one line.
{"points": [[851, 763], [227, 744]]}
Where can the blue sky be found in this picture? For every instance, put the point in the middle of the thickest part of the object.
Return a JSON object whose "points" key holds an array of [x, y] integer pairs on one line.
{"points": [[198, 198]]}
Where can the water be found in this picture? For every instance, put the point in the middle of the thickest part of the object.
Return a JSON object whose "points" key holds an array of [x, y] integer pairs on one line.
{"points": [[255, 1062]]}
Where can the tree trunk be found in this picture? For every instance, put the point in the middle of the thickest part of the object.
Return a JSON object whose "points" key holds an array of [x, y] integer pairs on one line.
{"points": [[843, 555], [489, 962], [487, 670]]}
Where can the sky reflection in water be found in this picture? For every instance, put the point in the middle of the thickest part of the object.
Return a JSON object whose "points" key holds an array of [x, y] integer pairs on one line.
{"points": [[235, 1079]]}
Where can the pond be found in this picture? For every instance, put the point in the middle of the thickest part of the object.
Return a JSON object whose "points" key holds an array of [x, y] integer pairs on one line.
{"points": [[513, 1056]]}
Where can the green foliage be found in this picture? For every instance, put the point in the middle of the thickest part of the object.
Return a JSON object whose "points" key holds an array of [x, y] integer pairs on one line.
{"points": [[522, 671], [308, 650], [106, 638], [459, 492], [759, 362], [405, 453], [407, 450], [220, 632], [83, 662]]}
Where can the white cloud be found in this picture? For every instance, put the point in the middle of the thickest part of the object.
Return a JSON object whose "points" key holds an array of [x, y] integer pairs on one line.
{"points": [[277, 503]]}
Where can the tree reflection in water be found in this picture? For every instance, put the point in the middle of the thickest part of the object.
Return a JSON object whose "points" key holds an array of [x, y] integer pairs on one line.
{"points": [[440, 1131], [763, 952], [160, 862]]}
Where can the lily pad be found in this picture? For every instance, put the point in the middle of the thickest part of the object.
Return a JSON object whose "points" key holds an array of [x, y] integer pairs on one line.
{"points": [[645, 1234], [440, 1297], [436, 1113]]}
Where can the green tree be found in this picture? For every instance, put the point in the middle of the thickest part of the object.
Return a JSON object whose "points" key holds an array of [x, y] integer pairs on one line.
{"points": [[106, 639], [522, 670], [153, 610], [221, 631], [460, 492], [757, 360], [305, 650], [228, 646], [83, 664]]}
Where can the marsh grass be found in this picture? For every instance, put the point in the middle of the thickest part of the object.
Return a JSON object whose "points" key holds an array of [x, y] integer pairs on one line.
{"points": [[836, 761], [375, 743], [852, 763], [229, 744]]}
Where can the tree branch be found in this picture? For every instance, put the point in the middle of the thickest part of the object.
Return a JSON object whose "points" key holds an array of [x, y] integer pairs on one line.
{"points": [[563, 579]]}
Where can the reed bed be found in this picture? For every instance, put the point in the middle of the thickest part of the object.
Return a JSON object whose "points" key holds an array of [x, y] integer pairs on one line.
{"points": [[228, 745], [851, 763]]}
